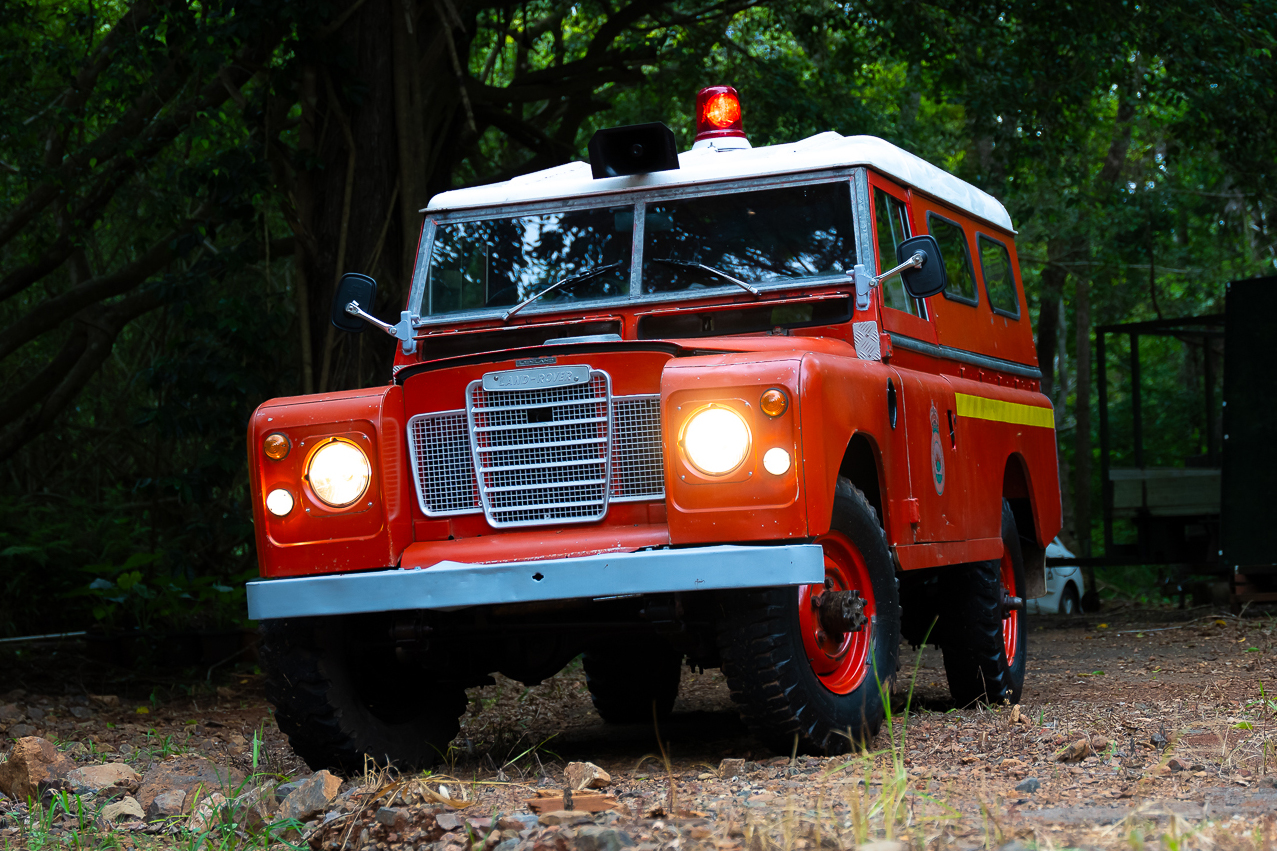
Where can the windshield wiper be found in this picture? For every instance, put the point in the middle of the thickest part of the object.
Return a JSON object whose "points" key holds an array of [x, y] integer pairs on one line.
{"points": [[572, 279], [749, 288]]}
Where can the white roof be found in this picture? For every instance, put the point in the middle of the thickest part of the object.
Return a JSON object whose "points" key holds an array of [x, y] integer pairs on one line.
{"points": [[823, 151]]}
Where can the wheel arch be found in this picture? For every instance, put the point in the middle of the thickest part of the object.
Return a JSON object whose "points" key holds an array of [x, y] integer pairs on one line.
{"points": [[1017, 490], [862, 465]]}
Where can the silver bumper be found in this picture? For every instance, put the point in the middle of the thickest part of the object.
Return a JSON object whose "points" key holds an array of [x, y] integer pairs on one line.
{"points": [[450, 584]]}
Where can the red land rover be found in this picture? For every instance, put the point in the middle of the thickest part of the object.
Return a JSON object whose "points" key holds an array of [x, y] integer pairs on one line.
{"points": [[764, 409]]}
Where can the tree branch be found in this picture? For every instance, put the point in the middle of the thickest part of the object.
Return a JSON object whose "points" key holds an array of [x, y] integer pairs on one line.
{"points": [[92, 339], [138, 123], [53, 311]]}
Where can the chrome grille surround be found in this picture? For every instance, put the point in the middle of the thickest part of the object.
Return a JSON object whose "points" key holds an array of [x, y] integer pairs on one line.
{"points": [[542, 455], [444, 468]]}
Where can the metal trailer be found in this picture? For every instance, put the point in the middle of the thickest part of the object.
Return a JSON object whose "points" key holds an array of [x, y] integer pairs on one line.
{"points": [[1207, 517]]}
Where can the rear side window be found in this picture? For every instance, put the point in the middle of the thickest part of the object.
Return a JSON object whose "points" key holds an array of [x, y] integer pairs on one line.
{"points": [[957, 259], [999, 283]]}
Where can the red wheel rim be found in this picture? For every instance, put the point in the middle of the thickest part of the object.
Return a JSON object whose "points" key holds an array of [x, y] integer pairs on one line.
{"points": [[841, 664], [1010, 617]]}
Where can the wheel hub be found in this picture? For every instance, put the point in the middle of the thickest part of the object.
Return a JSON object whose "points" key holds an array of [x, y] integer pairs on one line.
{"points": [[836, 617], [839, 612], [1010, 604]]}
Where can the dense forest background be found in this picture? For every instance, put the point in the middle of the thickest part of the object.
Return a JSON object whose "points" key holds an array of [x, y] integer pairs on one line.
{"points": [[182, 183]]}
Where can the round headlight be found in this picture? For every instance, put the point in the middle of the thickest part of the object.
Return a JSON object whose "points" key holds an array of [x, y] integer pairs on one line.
{"points": [[339, 473], [716, 440]]}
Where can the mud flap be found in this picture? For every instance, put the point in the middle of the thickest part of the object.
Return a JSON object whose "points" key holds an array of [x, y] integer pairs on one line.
{"points": [[1034, 569]]}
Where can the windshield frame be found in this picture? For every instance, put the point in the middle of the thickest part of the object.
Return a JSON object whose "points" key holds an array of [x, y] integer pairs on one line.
{"points": [[638, 198]]}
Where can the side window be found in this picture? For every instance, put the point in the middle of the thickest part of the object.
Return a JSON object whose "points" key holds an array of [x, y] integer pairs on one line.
{"points": [[999, 283], [957, 259], [892, 224]]}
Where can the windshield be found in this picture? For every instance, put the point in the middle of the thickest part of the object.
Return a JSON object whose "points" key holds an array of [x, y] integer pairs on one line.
{"points": [[764, 237]]}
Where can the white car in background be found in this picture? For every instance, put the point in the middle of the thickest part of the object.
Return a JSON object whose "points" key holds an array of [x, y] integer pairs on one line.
{"points": [[1064, 586]]}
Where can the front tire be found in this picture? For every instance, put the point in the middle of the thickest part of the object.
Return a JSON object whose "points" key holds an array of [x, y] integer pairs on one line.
{"points": [[792, 677], [338, 702], [984, 642]]}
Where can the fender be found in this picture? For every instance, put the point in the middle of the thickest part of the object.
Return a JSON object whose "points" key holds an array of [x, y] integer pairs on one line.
{"points": [[844, 396], [749, 503], [313, 537]]}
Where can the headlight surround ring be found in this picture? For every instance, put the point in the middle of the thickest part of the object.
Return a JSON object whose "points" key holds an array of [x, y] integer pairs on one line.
{"points": [[338, 472], [716, 440]]}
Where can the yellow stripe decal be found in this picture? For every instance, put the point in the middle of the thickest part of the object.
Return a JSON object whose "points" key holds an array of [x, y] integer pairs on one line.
{"points": [[981, 408]]}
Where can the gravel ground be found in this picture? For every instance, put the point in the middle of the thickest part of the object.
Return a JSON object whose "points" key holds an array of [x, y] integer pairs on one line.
{"points": [[1171, 717]]}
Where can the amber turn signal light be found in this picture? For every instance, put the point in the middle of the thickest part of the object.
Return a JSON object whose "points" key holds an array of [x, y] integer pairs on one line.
{"points": [[276, 446], [774, 402]]}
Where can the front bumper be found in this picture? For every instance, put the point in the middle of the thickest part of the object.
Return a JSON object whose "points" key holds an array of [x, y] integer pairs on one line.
{"points": [[450, 584]]}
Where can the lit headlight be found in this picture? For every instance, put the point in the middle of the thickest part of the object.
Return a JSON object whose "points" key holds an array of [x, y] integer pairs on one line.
{"points": [[716, 440], [339, 473]]}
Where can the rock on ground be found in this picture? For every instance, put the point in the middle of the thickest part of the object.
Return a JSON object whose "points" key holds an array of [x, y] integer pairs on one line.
{"points": [[92, 779], [190, 774], [33, 766], [166, 804], [311, 797], [566, 817], [596, 838], [253, 808], [206, 812], [125, 809], [586, 775]]}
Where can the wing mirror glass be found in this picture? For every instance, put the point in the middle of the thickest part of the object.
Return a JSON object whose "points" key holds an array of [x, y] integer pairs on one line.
{"points": [[928, 278], [360, 289]]}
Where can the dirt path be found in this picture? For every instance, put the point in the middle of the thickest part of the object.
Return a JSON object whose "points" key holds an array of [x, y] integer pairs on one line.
{"points": [[1178, 710]]}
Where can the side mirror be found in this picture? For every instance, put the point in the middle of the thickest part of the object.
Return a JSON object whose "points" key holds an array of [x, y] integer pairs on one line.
{"points": [[358, 288], [931, 277]]}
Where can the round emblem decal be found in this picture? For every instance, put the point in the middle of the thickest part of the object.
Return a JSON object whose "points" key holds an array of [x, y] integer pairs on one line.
{"points": [[937, 451]]}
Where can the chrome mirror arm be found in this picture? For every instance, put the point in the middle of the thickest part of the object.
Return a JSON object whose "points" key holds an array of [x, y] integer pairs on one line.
{"points": [[403, 330], [914, 262], [865, 282]]}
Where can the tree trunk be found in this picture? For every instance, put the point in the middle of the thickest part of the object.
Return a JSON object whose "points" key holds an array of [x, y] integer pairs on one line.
{"points": [[1082, 437], [352, 127], [1048, 326]]}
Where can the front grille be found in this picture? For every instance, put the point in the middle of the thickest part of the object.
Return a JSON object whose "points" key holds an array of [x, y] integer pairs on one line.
{"points": [[542, 456], [637, 468], [439, 445], [545, 455]]}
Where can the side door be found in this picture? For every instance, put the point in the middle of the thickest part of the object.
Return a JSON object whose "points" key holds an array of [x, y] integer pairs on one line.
{"points": [[892, 225], [928, 399]]}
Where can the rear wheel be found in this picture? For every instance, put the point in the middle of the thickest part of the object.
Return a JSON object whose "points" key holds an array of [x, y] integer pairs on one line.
{"points": [[628, 682], [338, 702], [816, 663], [982, 630]]}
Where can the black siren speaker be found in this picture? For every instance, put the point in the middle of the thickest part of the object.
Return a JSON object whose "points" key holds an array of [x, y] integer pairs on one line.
{"points": [[635, 149]]}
